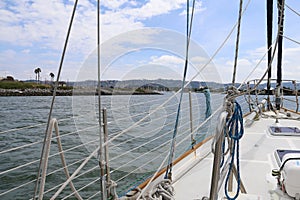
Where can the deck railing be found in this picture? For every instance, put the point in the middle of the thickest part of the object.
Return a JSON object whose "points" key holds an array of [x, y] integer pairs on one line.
{"points": [[289, 88]]}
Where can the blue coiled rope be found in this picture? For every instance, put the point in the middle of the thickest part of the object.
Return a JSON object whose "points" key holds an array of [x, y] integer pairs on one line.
{"points": [[208, 103], [235, 132], [188, 37]]}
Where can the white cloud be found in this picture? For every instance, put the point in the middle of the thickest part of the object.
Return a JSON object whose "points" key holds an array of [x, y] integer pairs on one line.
{"points": [[8, 54], [248, 65], [154, 8], [26, 51], [242, 62], [25, 23], [34, 32], [200, 60], [39, 26], [116, 4], [115, 23], [36, 22], [167, 60]]}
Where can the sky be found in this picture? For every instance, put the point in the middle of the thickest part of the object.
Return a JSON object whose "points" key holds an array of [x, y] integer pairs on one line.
{"points": [[141, 39]]}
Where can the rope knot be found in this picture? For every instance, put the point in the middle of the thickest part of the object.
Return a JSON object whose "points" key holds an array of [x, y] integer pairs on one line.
{"points": [[232, 92]]}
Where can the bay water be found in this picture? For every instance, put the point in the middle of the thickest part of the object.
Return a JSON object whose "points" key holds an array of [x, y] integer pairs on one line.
{"points": [[23, 124]]}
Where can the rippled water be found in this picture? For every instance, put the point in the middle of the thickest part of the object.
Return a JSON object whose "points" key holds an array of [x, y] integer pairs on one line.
{"points": [[78, 127]]}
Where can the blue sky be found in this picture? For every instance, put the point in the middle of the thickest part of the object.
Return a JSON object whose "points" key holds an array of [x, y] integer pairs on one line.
{"points": [[33, 31]]}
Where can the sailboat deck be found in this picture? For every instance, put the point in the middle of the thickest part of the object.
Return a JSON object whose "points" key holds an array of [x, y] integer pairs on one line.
{"points": [[257, 160]]}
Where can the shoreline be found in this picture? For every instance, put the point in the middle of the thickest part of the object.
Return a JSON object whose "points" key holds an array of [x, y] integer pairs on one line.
{"points": [[49, 92], [34, 92]]}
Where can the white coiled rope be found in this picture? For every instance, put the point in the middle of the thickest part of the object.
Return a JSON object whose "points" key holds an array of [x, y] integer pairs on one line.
{"points": [[162, 190]]}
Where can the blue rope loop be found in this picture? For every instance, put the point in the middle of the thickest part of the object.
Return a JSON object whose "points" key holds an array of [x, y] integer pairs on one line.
{"points": [[235, 133], [189, 23], [208, 103]]}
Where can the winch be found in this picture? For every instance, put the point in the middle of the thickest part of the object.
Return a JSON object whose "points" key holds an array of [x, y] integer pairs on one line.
{"points": [[290, 174]]}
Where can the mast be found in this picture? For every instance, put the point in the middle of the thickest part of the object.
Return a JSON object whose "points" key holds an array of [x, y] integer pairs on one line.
{"points": [[279, 53], [269, 40], [101, 149]]}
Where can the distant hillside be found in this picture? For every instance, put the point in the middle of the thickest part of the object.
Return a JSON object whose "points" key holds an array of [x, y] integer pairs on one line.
{"points": [[163, 83], [273, 85], [168, 83]]}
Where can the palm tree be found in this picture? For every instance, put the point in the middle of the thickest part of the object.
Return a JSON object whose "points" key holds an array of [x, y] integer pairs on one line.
{"points": [[37, 72], [52, 76]]}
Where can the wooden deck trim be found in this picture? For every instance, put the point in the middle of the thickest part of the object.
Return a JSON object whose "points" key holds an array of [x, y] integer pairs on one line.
{"points": [[184, 155], [293, 111]]}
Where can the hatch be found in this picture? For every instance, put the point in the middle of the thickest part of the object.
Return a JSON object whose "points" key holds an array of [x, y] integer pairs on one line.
{"points": [[284, 130], [279, 153]]}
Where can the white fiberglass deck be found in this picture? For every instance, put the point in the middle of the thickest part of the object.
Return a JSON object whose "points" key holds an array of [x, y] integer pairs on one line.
{"points": [[257, 160]]}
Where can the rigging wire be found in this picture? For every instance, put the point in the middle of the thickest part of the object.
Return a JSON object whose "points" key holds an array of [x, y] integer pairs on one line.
{"points": [[141, 166], [237, 42], [40, 141], [152, 149], [145, 103], [156, 148], [54, 125], [63, 135], [74, 178], [218, 49], [74, 173], [140, 103], [22, 128], [59, 185], [269, 66], [92, 197], [290, 39], [188, 35], [139, 136], [187, 137], [86, 172], [135, 148], [269, 43], [160, 155], [74, 117], [35, 161], [36, 125], [146, 112], [256, 66], [188, 82], [90, 183], [54, 95], [161, 117], [297, 13], [146, 133]]}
